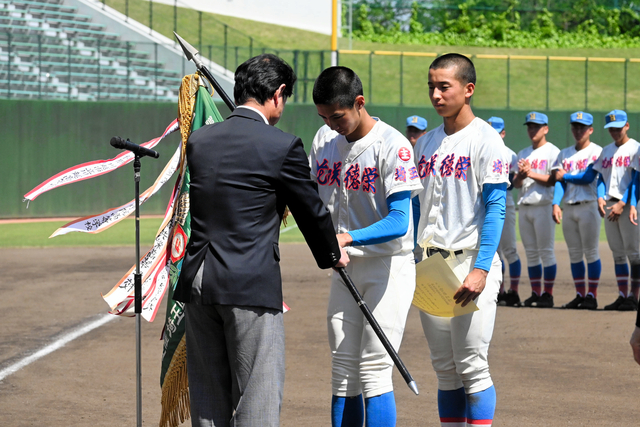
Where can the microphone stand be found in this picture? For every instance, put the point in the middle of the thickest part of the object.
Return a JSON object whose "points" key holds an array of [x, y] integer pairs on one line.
{"points": [[137, 294]]}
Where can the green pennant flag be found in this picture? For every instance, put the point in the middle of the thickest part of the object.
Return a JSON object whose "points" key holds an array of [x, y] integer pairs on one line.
{"points": [[173, 375]]}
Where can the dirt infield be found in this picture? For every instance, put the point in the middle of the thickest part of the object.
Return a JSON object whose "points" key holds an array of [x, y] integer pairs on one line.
{"points": [[551, 367]]}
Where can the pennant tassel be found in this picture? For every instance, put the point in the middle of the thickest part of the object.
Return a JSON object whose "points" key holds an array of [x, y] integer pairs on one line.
{"points": [[175, 389]]}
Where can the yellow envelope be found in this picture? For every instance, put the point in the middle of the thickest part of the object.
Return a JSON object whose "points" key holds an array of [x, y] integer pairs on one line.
{"points": [[436, 283]]}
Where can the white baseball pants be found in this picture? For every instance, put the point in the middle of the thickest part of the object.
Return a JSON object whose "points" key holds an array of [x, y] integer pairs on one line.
{"points": [[537, 231], [507, 246], [581, 229], [623, 237]]}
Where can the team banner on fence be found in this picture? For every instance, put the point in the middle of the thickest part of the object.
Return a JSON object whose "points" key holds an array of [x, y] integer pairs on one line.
{"points": [[96, 168]]}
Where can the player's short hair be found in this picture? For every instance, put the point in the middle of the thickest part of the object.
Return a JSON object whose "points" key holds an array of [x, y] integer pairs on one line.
{"points": [[465, 70], [258, 78], [337, 85]]}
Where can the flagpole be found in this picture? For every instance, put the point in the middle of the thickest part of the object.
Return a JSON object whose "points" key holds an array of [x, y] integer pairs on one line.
{"points": [[138, 296]]}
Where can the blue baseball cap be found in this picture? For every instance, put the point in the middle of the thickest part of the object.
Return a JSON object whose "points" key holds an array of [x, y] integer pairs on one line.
{"points": [[615, 119], [497, 123], [538, 118], [582, 118], [417, 122]]}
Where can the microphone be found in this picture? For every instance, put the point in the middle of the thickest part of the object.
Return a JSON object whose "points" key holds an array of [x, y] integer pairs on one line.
{"points": [[136, 149]]}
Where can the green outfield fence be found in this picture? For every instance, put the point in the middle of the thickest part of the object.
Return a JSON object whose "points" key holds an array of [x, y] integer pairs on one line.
{"points": [[42, 138]]}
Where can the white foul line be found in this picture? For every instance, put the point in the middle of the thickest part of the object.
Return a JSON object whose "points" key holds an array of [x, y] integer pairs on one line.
{"points": [[291, 227], [57, 344]]}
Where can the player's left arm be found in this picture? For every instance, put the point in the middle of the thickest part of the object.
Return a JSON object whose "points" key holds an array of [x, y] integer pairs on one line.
{"points": [[494, 196], [394, 225]]}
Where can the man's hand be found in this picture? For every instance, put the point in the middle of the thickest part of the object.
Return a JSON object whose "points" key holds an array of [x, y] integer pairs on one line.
{"points": [[524, 168], [601, 205], [560, 173], [472, 286], [635, 344], [557, 214], [633, 215], [615, 211], [344, 239], [344, 259]]}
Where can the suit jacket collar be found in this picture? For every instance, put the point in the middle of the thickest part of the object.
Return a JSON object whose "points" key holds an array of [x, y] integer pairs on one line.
{"points": [[247, 114]]}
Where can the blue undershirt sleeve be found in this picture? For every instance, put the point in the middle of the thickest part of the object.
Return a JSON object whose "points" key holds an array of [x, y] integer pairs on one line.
{"points": [[415, 203], [558, 192], [630, 194], [494, 196], [583, 178], [602, 188], [392, 226]]}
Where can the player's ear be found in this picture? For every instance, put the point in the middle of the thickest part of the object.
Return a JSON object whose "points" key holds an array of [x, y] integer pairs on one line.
{"points": [[469, 89], [359, 102]]}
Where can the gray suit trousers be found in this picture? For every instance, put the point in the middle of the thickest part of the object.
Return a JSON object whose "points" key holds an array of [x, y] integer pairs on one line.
{"points": [[235, 363]]}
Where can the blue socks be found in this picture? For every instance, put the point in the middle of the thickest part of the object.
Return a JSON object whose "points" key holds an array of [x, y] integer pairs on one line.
{"points": [[381, 410], [577, 270], [481, 405], [549, 278], [452, 406], [347, 411], [535, 274], [515, 268]]}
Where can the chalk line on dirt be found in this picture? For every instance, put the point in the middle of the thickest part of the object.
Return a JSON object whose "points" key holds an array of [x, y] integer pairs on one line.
{"points": [[57, 344]]}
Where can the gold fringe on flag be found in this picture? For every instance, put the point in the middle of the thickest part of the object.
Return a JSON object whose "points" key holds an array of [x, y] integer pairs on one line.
{"points": [[175, 389]]}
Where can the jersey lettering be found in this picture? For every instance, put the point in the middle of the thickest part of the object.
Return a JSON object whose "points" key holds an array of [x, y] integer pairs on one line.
{"points": [[326, 175], [413, 173], [461, 167], [607, 162], [401, 174], [369, 179], [446, 167], [497, 166], [352, 177]]}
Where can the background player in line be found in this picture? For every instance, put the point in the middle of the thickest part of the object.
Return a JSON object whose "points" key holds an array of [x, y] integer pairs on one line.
{"points": [[507, 249], [581, 222], [464, 172], [615, 165], [365, 174], [416, 127], [537, 229]]}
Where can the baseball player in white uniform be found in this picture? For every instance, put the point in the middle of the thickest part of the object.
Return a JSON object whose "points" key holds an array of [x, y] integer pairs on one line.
{"points": [[464, 171], [365, 174], [580, 217], [615, 164], [507, 249], [537, 229]]}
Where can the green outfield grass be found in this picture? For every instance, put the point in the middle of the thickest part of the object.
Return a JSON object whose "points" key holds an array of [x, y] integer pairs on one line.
{"points": [[35, 234], [527, 83]]}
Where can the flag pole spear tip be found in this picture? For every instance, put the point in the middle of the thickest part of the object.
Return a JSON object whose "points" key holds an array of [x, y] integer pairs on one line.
{"points": [[189, 51]]}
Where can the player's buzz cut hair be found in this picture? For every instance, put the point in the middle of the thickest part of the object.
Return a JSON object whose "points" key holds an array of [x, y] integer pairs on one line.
{"points": [[260, 77], [465, 70], [337, 85]]}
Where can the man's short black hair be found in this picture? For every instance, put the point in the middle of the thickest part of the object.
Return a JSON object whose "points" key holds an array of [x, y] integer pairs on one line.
{"points": [[465, 70], [337, 85], [259, 77]]}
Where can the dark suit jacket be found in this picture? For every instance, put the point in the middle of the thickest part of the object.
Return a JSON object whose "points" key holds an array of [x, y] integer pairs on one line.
{"points": [[243, 174]]}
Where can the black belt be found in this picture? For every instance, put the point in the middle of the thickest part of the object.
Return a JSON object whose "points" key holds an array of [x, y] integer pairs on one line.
{"points": [[584, 202], [445, 252]]}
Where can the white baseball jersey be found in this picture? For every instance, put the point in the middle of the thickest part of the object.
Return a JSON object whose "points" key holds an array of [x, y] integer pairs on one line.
{"points": [[453, 169], [512, 166], [613, 164], [575, 162], [355, 178], [541, 161]]}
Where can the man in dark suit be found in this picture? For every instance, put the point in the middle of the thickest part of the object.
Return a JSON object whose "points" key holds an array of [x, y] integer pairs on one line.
{"points": [[244, 172]]}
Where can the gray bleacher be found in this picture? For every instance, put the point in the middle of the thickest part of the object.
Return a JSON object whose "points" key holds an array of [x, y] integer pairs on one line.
{"points": [[50, 51]]}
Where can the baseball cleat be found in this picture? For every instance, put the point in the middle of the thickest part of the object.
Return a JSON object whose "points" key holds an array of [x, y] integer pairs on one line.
{"points": [[545, 301], [511, 299], [501, 296], [529, 301], [589, 303], [629, 304], [614, 305], [574, 303]]}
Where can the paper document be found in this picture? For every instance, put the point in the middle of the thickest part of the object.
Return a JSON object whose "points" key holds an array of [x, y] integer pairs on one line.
{"points": [[436, 283]]}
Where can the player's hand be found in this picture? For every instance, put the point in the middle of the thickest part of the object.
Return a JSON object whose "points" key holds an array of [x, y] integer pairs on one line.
{"points": [[344, 239], [557, 214], [615, 211], [633, 215], [472, 286], [524, 168], [635, 344], [344, 259], [560, 173], [601, 206]]}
